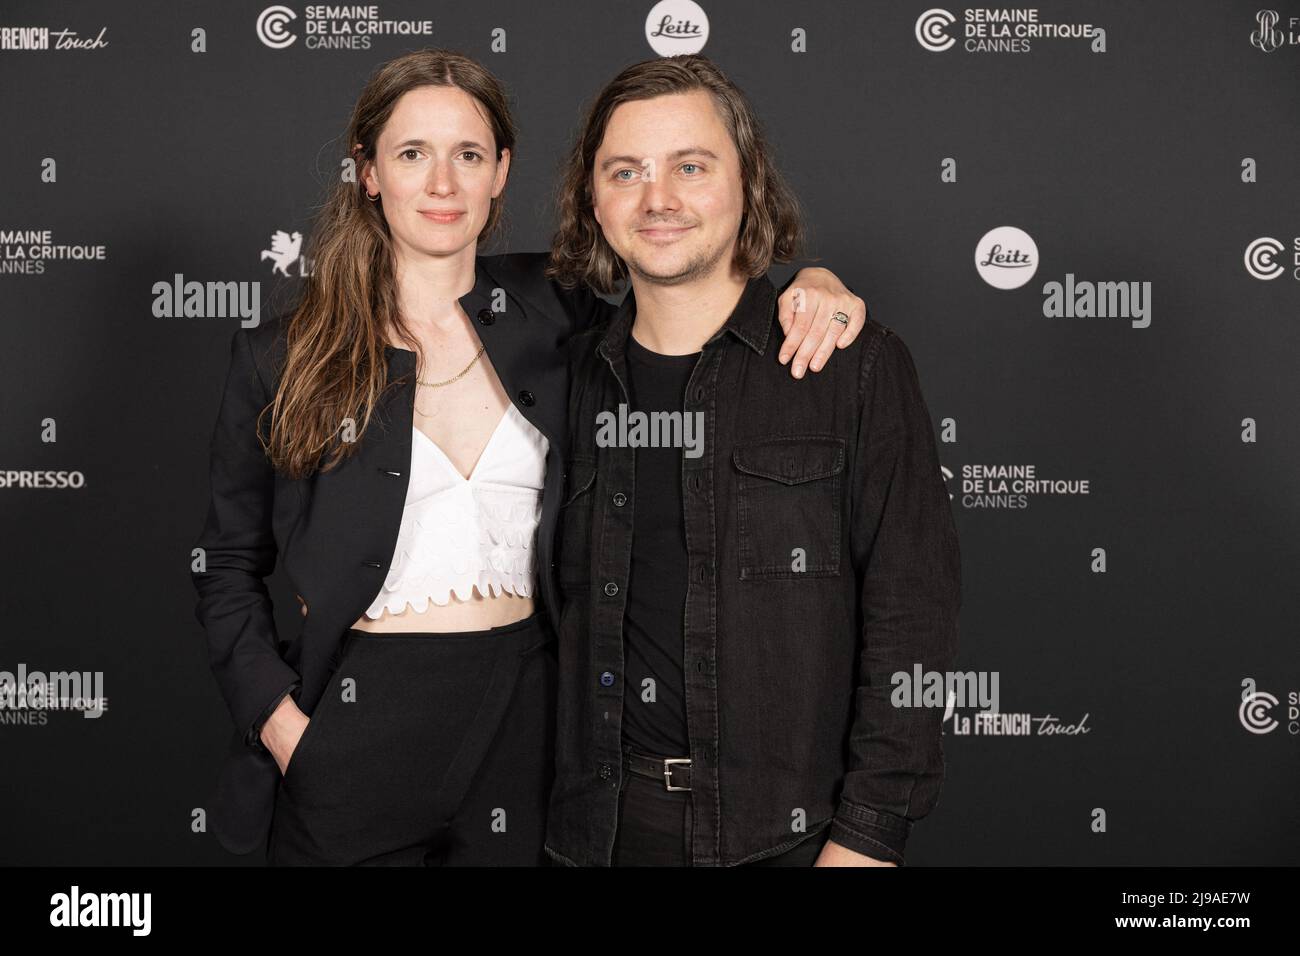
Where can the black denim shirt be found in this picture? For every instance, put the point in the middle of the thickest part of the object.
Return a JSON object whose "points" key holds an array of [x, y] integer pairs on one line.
{"points": [[822, 558]]}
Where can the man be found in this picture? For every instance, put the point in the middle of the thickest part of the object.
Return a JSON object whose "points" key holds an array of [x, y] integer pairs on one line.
{"points": [[735, 602]]}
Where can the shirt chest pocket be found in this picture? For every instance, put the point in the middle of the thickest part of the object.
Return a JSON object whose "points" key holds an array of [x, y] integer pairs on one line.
{"points": [[789, 508]]}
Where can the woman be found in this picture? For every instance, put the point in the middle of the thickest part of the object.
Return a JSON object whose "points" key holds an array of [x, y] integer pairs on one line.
{"points": [[429, 675]]}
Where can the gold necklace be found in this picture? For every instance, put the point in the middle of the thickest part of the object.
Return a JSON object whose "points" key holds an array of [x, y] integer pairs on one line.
{"points": [[455, 378]]}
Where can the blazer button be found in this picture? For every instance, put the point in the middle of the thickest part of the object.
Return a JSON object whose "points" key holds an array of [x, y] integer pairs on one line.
{"points": [[620, 500], [607, 679], [526, 397], [611, 589], [486, 317]]}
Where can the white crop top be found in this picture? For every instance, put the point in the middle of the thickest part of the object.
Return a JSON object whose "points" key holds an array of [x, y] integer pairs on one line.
{"points": [[459, 535]]}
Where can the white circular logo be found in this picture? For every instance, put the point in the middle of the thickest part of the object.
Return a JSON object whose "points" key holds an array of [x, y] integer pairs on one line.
{"points": [[1261, 258], [273, 27], [1006, 258], [676, 26], [1254, 712], [931, 30]]}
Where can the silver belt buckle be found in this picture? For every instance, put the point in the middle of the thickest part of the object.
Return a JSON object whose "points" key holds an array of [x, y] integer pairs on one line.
{"points": [[668, 771]]}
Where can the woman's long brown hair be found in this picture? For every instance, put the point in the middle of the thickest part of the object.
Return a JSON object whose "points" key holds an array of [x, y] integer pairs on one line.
{"points": [[335, 369]]}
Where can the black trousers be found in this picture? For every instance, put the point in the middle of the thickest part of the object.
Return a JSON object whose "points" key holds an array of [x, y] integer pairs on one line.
{"points": [[427, 749], [654, 828]]}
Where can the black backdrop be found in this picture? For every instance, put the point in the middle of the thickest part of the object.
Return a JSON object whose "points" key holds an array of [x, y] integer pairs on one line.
{"points": [[1160, 159]]}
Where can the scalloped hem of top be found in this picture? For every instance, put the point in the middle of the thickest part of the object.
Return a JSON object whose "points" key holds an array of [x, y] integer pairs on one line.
{"points": [[496, 588]]}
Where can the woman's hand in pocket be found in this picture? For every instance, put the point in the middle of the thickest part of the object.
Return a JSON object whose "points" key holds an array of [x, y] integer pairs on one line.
{"points": [[283, 730]]}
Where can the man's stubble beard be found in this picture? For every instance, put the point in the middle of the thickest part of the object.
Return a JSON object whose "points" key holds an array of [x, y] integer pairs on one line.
{"points": [[698, 267]]}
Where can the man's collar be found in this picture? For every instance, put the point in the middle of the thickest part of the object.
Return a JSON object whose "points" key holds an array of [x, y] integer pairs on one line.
{"points": [[750, 321]]}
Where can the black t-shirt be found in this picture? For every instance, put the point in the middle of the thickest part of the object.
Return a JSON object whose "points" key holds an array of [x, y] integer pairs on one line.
{"points": [[653, 641]]}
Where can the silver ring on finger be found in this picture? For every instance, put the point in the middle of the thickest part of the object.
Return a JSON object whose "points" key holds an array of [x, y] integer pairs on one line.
{"points": [[841, 318]]}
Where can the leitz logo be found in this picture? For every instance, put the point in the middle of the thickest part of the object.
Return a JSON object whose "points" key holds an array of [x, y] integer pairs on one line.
{"points": [[1006, 257], [674, 27]]}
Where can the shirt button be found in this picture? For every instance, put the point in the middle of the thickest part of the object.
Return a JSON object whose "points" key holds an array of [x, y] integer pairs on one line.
{"points": [[486, 317], [620, 500], [526, 397], [607, 679], [604, 771], [611, 589]]}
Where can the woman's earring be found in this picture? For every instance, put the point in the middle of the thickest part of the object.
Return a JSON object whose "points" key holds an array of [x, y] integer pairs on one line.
{"points": [[374, 198]]}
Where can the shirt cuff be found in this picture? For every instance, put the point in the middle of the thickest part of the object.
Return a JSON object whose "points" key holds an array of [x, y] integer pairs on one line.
{"points": [[254, 736], [875, 833]]}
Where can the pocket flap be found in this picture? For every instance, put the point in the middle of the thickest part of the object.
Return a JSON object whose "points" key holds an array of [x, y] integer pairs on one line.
{"points": [[578, 476], [791, 460]]}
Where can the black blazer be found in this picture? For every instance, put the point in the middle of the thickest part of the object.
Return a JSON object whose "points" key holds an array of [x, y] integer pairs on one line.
{"points": [[335, 533]]}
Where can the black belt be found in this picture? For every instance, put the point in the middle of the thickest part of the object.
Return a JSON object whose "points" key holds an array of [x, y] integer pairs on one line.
{"points": [[673, 772]]}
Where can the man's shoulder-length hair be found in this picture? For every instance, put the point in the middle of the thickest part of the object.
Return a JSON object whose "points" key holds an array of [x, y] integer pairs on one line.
{"points": [[771, 226]]}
